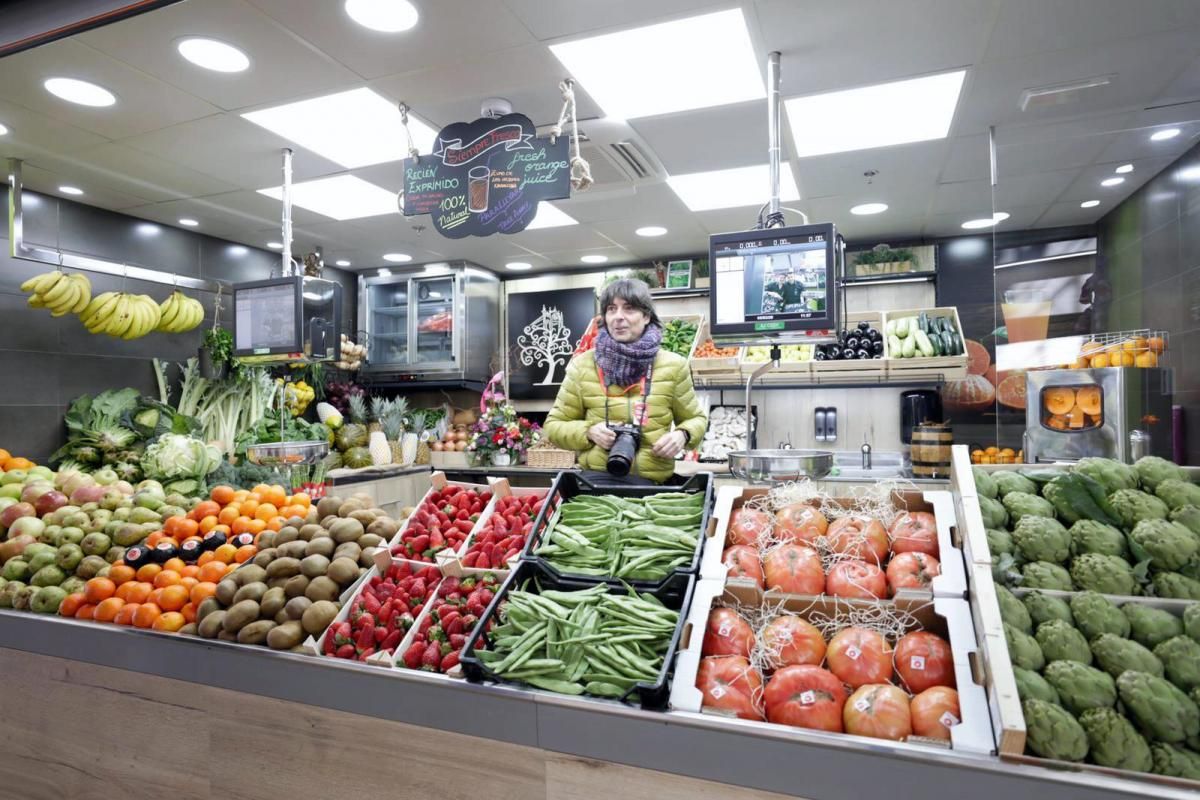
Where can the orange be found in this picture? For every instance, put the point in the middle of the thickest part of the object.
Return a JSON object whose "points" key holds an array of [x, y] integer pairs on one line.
{"points": [[155, 597], [141, 592], [202, 591], [245, 553], [208, 523], [204, 558], [188, 582], [265, 511], [174, 565], [18, 463], [1157, 344], [180, 527], [222, 495], [1147, 359], [1100, 360], [1011, 391], [126, 591], [173, 598], [276, 496], [125, 615], [229, 568], [71, 604], [260, 490], [121, 574], [224, 529], [168, 577], [301, 499], [99, 589], [145, 615], [154, 539], [169, 622], [249, 507], [205, 508], [241, 525], [86, 611], [257, 526], [225, 553], [189, 612], [4, 455], [108, 609], [240, 495], [211, 572], [229, 514], [276, 524], [190, 571]]}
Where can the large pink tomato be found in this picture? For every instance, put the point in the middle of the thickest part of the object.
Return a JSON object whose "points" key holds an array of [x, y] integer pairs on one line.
{"points": [[789, 640], [805, 696], [934, 712], [795, 569], [915, 532], [861, 537], [924, 660], [742, 562], [859, 656], [748, 526], [880, 711], [727, 634], [853, 578], [800, 523], [732, 685], [912, 571]]}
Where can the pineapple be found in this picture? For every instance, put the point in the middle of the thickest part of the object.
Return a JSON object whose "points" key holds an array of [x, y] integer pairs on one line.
{"points": [[423, 455], [392, 423], [379, 408], [358, 409], [381, 453]]}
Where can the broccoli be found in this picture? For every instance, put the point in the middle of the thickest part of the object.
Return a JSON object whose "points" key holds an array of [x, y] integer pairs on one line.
{"points": [[226, 474]]}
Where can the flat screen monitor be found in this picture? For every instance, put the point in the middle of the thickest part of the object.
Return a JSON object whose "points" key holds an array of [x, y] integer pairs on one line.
{"points": [[774, 281], [267, 317]]}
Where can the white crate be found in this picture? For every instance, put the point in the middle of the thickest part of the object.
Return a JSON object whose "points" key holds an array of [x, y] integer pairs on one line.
{"points": [[451, 560], [437, 483]]}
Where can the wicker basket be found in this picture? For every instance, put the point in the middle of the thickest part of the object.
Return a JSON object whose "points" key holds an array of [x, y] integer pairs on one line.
{"points": [[550, 458]]}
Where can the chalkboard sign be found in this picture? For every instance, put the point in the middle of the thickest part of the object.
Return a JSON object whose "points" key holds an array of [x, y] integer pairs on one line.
{"points": [[486, 177]]}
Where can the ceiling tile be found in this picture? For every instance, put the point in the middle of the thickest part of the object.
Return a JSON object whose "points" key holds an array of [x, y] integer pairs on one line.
{"points": [[709, 138]]}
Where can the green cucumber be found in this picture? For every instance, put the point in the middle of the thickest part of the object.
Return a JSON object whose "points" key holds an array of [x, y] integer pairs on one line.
{"points": [[923, 343], [936, 340]]}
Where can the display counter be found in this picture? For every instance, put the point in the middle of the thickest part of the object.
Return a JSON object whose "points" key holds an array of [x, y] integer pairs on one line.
{"points": [[391, 488]]}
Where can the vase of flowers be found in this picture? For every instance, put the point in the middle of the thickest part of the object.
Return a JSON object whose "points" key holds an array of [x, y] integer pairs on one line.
{"points": [[499, 437]]}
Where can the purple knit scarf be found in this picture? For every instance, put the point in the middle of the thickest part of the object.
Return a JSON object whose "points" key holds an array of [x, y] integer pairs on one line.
{"points": [[624, 364]]}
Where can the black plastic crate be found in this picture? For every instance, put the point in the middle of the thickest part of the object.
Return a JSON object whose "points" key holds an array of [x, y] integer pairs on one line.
{"points": [[571, 484], [650, 696]]}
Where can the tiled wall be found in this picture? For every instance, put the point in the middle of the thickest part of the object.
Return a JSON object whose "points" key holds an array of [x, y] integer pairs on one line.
{"points": [[1149, 248]]}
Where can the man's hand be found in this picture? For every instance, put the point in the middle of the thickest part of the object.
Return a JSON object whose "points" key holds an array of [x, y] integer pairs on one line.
{"points": [[601, 435], [670, 445]]}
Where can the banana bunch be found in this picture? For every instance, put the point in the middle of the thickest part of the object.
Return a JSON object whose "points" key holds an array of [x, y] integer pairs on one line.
{"points": [[297, 396], [121, 315], [61, 293], [179, 313]]}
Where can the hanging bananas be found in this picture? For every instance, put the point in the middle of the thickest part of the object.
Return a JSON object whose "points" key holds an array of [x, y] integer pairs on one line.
{"points": [[121, 315], [61, 293], [179, 313]]}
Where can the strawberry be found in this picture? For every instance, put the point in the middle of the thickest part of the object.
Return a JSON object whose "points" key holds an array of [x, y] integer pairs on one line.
{"points": [[392, 641], [470, 559], [432, 656], [372, 605], [455, 626], [341, 634], [381, 633], [449, 661], [458, 641], [413, 655], [345, 651]]}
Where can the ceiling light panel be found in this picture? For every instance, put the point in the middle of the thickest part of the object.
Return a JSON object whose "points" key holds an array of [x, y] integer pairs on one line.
{"points": [[80, 92], [213, 54], [866, 209], [355, 128], [549, 216], [916, 110], [385, 16], [341, 197], [696, 62], [732, 188]]}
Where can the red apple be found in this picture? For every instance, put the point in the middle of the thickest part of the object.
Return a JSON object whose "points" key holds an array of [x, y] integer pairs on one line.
{"points": [[33, 491], [15, 512], [50, 502]]}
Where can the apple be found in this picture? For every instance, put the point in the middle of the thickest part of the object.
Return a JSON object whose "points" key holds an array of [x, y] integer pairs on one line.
{"points": [[15, 512], [27, 526], [45, 473], [12, 490], [87, 494], [33, 491], [5, 502], [76, 481], [13, 476], [50, 502]]}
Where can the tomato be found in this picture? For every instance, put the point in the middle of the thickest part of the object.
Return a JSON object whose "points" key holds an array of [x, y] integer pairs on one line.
{"points": [[800, 523], [742, 561], [859, 656], [915, 532], [731, 684], [924, 660], [853, 578], [935, 712], [880, 711], [748, 525], [790, 640], [805, 696], [795, 569], [912, 571], [727, 634], [861, 537]]}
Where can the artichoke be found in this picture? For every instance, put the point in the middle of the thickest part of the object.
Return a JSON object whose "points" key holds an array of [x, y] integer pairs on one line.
{"points": [[1013, 611], [1042, 608], [1089, 536], [1080, 687], [1041, 539], [1168, 545], [1181, 659], [1031, 686], [1177, 494], [1160, 709], [1191, 622], [1009, 482], [1152, 470], [1026, 504], [1112, 475], [1113, 741], [1175, 585], [1132, 506], [1174, 762], [1104, 574], [1023, 649], [1061, 642], [1051, 732], [1188, 516], [999, 541], [1059, 497], [985, 484], [1095, 614], [1115, 655], [1149, 626], [993, 512], [1044, 575]]}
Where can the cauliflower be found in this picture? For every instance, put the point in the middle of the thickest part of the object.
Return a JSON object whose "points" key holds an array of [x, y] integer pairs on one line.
{"points": [[1042, 608], [1133, 506], [1031, 686], [999, 541], [1191, 622], [985, 484], [1009, 482], [1112, 475], [1162, 710], [1012, 611], [1024, 504], [1152, 470], [1115, 655], [1168, 545], [1089, 536], [1177, 494], [1080, 687], [1061, 642], [1051, 732], [993, 513], [1041, 539], [1174, 762], [1188, 516], [1104, 574], [1175, 585], [1113, 741], [1149, 626], [1044, 575], [1181, 659], [1095, 614], [1023, 649]]}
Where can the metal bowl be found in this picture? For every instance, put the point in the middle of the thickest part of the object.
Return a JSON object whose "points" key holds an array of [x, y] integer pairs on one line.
{"points": [[780, 465], [287, 454]]}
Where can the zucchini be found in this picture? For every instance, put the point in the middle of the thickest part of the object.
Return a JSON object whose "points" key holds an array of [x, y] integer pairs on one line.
{"points": [[923, 322], [936, 340], [895, 348], [923, 343], [957, 345], [890, 328], [909, 349]]}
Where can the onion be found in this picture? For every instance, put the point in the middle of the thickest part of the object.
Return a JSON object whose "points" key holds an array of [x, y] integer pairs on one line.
{"points": [[437, 447], [460, 445]]}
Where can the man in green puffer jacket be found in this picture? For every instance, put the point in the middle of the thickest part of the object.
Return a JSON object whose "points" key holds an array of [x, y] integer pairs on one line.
{"points": [[608, 386]]}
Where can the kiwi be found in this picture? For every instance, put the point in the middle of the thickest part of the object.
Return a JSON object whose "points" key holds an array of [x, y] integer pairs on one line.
{"points": [[296, 586], [348, 550], [329, 504], [266, 540], [282, 617], [255, 632], [272, 602], [296, 522], [240, 615], [349, 507], [187, 630], [296, 607], [370, 540], [277, 583], [226, 589], [284, 568], [342, 571], [251, 591], [328, 522], [285, 535], [285, 636], [322, 588], [207, 606], [296, 549], [226, 636], [367, 557], [383, 527], [309, 532], [321, 546], [314, 565], [264, 557], [212, 624], [318, 616], [250, 573], [364, 517]]}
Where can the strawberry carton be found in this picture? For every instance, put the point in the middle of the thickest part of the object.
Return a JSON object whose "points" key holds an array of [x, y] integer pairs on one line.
{"points": [[437, 640], [444, 519], [500, 536]]}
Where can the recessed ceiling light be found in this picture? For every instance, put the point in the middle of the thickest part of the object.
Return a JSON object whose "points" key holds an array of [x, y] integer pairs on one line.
{"points": [[3, 130], [594, 259], [148, 229], [76, 91], [341, 197], [916, 110], [212, 54], [342, 263], [548, 216], [518, 266], [275, 245], [1124, 169], [986, 222], [397, 258], [732, 188], [1089, 204], [866, 209], [355, 128], [384, 272], [680, 57], [71, 190], [1164, 134], [651, 230], [237, 250], [386, 16], [187, 222], [1112, 181]]}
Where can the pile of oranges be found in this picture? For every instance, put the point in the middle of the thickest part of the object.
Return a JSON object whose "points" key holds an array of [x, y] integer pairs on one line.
{"points": [[9, 462], [165, 597]]}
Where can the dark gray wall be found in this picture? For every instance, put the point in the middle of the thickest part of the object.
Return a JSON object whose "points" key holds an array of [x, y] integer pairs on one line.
{"points": [[45, 362]]}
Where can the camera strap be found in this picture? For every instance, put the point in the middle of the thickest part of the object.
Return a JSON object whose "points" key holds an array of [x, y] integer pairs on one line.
{"points": [[640, 408]]}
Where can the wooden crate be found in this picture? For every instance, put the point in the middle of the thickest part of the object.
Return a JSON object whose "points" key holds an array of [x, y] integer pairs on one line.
{"points": [[947, 367], [856, 370], [444, 460]]}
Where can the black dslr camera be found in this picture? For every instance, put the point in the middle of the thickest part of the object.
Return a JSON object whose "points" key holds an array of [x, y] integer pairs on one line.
{"points": [[621, 454]]}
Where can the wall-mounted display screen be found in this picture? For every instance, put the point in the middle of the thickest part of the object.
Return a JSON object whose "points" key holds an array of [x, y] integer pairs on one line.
{"points": [[267, 317]]}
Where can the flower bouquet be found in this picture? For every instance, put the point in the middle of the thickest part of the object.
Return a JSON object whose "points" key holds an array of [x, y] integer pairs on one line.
{"points": [[500, 437]]}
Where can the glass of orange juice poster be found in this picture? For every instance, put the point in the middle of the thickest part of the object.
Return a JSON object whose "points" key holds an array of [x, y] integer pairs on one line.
{"points": [[1026, 314]]}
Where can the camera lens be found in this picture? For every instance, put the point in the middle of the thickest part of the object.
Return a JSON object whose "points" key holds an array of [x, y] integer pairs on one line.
{"points": [[620, 457]]}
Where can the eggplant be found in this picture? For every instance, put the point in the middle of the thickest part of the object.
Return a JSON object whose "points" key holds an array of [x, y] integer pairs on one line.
{"points": [[849, 354], [821, 354], [835, 352], [852, 342], [874, 335], [877, 349], [864, 325], [863, 353]]}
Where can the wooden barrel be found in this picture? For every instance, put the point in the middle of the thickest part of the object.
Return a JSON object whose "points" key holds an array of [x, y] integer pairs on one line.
{"points": [[931, 450]]}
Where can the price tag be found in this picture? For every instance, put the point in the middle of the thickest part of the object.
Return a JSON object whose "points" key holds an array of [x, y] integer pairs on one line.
{"points": [[862, 704], [719, 691], [808, 698], [724, 629], [917, 663], [853, 653], [949, 720]]}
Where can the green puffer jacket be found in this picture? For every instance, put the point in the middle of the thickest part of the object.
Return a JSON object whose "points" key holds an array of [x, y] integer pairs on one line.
{"points": [[580, 405]]}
